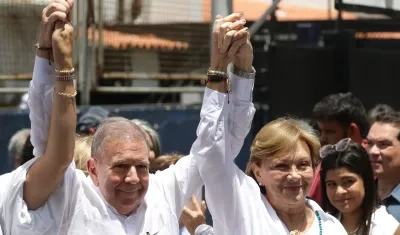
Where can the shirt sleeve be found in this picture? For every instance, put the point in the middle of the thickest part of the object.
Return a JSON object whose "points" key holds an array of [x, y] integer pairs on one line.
{"points": [[40, 104], [60, 206], [221, 175], [5, 181], [383, 222], [242, 113], [50, 217], [182, 180]]}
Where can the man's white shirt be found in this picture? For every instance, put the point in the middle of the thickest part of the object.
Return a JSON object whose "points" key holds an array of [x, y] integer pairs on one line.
{"points": [[77, 206]]}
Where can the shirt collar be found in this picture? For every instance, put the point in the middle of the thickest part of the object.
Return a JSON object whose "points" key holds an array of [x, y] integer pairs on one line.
{"points": [[396, 193]]}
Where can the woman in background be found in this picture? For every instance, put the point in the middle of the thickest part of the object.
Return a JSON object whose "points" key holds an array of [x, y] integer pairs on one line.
{"points": [[82, 152], [349, 191]]}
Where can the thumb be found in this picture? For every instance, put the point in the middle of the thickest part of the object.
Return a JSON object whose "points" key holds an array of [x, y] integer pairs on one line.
{"points": [[218, 17]]}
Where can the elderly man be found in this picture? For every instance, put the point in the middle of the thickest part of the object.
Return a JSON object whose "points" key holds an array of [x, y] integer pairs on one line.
{"points": [[49, 196]]}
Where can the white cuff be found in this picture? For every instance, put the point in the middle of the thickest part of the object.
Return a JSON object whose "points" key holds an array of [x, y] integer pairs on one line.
{"points": [[43, 73], [242, 88]]}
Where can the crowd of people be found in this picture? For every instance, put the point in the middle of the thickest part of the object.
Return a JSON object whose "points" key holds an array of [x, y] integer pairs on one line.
{"points": [[104, 174]]}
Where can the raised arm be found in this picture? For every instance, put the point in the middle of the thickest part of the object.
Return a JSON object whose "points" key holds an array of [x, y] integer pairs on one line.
{"points": [[53, 159], [242, 75], [180, 181], [220, 174]]}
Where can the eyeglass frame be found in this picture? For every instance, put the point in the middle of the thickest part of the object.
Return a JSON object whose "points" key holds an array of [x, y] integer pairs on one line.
{"points": [[324, 150]]}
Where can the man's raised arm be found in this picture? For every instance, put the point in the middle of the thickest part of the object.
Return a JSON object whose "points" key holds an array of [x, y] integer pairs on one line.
{"points": [[48, 170]]}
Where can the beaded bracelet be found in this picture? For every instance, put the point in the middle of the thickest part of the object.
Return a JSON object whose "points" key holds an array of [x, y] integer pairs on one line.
{"points": [[48, 49], [66, 95], [216, 76], [65, 72], [65, 78]]}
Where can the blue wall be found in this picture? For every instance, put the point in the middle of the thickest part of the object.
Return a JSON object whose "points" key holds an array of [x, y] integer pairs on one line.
{"points": [[176, 125]]}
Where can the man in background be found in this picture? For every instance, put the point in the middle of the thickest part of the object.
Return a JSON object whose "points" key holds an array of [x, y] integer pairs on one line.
{"points": [[16, 145], [338, 116]]}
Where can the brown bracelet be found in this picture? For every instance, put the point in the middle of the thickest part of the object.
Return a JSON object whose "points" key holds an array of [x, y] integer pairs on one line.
{"points": [[65, 77], [216, 76], [48, 49]]}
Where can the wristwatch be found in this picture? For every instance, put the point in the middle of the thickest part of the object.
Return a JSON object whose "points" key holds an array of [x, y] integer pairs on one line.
{"points": [[241, 73]]}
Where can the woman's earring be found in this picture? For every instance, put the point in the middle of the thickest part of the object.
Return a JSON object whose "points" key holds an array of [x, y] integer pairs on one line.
{"points": [[259, 183]]}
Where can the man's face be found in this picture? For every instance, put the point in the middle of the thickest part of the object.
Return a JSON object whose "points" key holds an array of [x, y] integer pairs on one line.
{"points": [[331, 132], [123, 173], [383, 148]]}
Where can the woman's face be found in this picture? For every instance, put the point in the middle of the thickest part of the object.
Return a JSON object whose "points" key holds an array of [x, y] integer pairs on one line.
{"points": [[287, 179], [345, 189]]}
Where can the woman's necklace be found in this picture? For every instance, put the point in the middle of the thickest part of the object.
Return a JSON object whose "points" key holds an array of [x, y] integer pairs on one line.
{"points": [[297, 232], [354, 232]]}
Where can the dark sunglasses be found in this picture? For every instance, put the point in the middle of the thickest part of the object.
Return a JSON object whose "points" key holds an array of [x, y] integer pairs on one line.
{"points": [[341, 146]]}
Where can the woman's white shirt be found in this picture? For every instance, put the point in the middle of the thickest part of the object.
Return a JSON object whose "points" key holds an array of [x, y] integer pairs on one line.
{"points": [[243, 210], [382, 223]]}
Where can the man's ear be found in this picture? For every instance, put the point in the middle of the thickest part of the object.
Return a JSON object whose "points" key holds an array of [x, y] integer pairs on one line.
{"points": [[354, 132], [92, 170]]}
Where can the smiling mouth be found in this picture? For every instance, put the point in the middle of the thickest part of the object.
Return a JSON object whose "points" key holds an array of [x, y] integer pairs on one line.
{"points": [[343, 200], [130, 191], [294, 187]]}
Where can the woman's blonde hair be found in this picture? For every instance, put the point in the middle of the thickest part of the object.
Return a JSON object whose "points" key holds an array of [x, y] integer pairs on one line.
{"points": [[280, 137], [82, 152]]}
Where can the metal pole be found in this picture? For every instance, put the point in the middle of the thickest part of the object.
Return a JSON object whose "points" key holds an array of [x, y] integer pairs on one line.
{"points": [[339, 21], [257, 25], [330, 6], [219, 7], [84, 81], [101, 44], [93, 66]]}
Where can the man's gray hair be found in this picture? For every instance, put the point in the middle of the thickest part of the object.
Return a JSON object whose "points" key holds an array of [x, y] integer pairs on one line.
{"points": [[114, 128], [17, 142], [155, 138]]}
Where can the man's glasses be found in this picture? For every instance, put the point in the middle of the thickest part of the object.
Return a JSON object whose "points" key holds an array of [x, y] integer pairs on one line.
{"points": [[339, 147]]}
